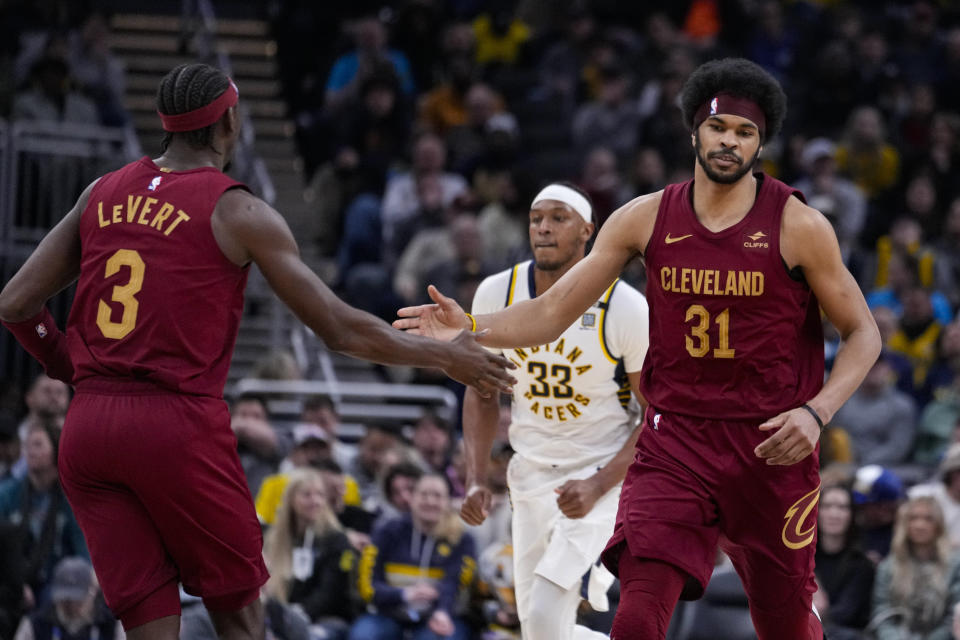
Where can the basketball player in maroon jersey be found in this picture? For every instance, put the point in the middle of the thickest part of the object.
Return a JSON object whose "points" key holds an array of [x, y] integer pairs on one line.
{"points": [[147, 458], [738, 269]]}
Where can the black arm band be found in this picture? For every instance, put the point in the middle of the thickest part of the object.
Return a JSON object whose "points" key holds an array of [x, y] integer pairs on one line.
{"points": [[814, 414]]}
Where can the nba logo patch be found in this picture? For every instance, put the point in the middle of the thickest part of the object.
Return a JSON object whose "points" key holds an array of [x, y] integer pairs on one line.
{"points": [[589, 320], [713, 107], [155, 183], [42, 330], [656, 421]]}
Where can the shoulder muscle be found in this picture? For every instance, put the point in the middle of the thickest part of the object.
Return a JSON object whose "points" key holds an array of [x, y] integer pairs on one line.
{"points": [[243, 223]]}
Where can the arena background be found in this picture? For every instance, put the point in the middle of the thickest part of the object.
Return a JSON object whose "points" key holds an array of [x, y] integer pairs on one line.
{"points": [[403, 142]]}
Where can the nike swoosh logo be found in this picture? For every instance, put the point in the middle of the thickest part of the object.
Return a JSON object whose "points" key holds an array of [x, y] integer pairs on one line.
{"points": [[670, 240]]}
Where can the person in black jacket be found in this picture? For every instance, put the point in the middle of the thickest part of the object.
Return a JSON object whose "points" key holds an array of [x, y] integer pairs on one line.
{"points": [[312, 564], [844, 572]]}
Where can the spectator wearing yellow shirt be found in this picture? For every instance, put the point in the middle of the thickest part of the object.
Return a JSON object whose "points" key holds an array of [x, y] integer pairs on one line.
{"points": [[865, 156], [310, 448], [500, 37]]}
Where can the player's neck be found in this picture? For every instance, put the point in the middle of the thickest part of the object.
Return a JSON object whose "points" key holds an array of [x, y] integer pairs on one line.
{"points": [[181, 157], [719, 206], [544, 279]]}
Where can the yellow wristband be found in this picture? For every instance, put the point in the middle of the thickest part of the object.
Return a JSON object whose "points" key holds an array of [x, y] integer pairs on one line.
{"points": [[473, 322]]}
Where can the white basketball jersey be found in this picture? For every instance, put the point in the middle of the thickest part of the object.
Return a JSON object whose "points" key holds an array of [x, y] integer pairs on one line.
{"points": [[571, 397]]}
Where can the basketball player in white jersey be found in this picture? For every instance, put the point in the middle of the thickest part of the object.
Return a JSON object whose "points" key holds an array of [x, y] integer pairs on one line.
{"points": [[572, 431]]}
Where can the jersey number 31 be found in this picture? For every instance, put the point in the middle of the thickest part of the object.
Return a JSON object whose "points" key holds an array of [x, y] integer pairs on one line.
{"points": [[698, 342]]}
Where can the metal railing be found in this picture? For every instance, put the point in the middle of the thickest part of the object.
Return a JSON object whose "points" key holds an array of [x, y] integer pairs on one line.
{"points": [[249, 167], [48, 165], [362, 402], [44, 167]]}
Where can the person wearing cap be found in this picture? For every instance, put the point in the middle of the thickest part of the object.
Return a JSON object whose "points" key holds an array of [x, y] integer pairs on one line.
{"points": [[75, 610], [945, 489], [573, 428], [311, 444], [162, 249], [738, 268], [877, 493], [835, 196]]}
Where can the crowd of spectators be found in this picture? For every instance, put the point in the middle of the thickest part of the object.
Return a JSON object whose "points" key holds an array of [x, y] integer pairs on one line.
{"points": [[58, 65], [428, 126]]}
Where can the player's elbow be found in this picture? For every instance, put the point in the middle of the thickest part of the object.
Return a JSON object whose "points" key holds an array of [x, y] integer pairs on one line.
{"points": [[555, 327], [337, 339], [14, 308]]}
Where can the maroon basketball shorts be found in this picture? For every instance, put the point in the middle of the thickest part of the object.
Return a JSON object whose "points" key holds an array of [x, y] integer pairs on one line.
{"points": [[156, 484], [696, 484]]}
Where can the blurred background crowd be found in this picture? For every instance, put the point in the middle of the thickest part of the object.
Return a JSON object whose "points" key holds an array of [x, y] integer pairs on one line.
{"points": [[422, 129]]}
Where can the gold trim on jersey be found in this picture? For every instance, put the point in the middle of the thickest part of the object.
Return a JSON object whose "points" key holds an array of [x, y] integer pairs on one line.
{"points": [[513, 284], [605, 304]]}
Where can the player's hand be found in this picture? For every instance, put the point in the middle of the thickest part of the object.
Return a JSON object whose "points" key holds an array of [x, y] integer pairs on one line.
{"points": [[795, 437], [441, 624], [476, 367], [443, 320], [577, 497], [476, 504]]}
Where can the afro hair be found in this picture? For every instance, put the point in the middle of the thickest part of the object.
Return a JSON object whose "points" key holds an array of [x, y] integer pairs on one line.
{"points": [[739, 77]]}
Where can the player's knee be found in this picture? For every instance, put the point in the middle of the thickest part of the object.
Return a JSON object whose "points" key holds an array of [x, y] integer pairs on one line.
{"points": [[642, 615], [648, 594], [162, 603], [783, 593], [552, 612], [785, 611]]}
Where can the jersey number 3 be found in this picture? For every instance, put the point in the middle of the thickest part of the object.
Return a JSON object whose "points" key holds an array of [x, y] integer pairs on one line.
{"points": [[124, 295], [698, 342]]}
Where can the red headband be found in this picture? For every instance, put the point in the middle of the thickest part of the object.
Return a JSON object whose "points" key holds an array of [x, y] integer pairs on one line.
{"points": [[202, 117], [734, 106]]}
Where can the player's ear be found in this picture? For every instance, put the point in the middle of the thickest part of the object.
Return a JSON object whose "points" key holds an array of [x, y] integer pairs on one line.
{"points": [[231, 120], [586, 231]]}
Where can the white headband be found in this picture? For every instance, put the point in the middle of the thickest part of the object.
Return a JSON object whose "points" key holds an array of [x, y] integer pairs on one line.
{"points": [[567, 196]]}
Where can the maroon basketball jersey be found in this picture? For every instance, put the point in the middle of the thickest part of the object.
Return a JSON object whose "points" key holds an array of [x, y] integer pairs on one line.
{"points": [[732, 334], [157, 300]]}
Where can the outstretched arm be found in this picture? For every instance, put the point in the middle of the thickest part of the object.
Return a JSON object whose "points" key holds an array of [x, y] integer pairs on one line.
{"points": [[248, 229], [543, 319], [49, 269], [808, 241]]}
